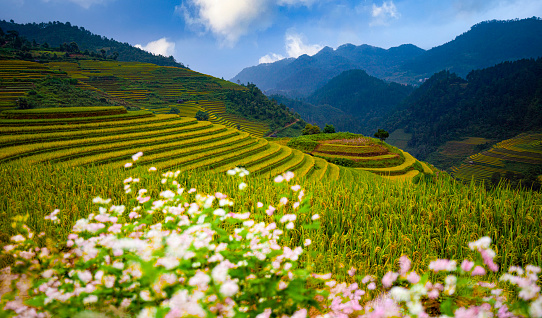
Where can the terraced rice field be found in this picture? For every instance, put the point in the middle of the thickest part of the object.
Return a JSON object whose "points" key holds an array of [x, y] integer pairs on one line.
{"points": [[524, 149], [16, 78], [147, 86], [373, 156], [167, 142]]}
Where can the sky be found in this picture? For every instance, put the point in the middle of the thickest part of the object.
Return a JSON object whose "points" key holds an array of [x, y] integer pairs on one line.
{"points": [[221, 37]]}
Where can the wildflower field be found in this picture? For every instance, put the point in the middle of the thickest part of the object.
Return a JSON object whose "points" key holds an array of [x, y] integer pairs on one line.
{"points": [[304, 238]]}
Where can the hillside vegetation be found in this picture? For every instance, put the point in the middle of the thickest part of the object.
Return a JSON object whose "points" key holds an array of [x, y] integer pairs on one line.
{"points": [[352, 101], [57, 34], [495, 103], [517, 161]]}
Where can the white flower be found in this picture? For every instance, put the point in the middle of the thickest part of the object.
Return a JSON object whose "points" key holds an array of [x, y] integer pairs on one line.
{"points": [[145, 295], [200, 279], [482, 243], [168, 194], [242, 186], [307, 242], [90, 299], [136, 156], [152, 169], [535, 310], [279, 179], [315, 217], [400, 294], [128, 165], [85, 276], [229, 288]]}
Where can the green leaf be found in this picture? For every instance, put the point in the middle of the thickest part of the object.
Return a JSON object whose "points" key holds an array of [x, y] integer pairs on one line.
{"points": [[446, 307]]}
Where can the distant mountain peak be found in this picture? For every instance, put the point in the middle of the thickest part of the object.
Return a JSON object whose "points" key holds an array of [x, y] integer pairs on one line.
{"points": [[485, 44]]}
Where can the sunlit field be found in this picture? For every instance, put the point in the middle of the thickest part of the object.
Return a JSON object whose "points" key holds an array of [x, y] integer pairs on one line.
{"points": [[366, 222]]}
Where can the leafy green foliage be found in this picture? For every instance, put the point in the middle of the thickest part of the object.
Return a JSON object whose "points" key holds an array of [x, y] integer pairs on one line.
{"points": [[329, 129], [352, 101], [310, 130], [382, 134], [71, 38], [58, 92], [253, 104], [200, 115], [497, 103]]}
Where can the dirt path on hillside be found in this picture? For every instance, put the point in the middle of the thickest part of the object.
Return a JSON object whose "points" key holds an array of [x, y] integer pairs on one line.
{"points": [[290, 124]]}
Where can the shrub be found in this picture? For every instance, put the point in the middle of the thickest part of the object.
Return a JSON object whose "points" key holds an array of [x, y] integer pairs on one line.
{"points": [[200, 115], [329, 129], [310, 130]]}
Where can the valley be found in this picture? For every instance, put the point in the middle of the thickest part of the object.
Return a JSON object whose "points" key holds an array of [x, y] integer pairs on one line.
{"points": [[133, 186]]}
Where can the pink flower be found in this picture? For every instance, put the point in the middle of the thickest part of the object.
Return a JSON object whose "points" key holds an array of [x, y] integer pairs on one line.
{"points": [[443, 265], [467, 265], [352, 271], [413, 277], [404, 264], [389, 278], [478, 271], [265, 314], [301, 313], [270, 210], [371, 286]]}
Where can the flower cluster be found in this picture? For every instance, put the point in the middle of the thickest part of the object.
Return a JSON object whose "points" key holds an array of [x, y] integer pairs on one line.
{"points": [[186, 253]]}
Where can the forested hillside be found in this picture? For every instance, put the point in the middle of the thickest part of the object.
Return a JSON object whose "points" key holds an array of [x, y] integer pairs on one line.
{"points": [[58, 34], [498, 102], [352, 101]]}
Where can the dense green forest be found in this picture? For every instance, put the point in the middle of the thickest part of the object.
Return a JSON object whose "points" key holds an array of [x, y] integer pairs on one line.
{"points": [[498, 102], [352, 101], [252, 103], [61, 35]]}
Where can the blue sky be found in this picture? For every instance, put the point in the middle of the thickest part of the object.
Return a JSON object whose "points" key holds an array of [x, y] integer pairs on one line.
{"points": [[221, 37]]}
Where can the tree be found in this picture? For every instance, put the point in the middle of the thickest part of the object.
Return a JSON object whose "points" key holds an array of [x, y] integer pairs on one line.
{"points": [[329, 129], [73, 47], [202, 115], [382, 134], [310, 130]]}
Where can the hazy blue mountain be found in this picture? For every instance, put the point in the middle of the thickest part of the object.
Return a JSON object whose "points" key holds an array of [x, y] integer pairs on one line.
{"points": [[302, 76], [485, 44]]}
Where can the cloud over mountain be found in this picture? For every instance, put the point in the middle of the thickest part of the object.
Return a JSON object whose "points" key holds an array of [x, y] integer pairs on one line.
{"points": [[159, 47]]}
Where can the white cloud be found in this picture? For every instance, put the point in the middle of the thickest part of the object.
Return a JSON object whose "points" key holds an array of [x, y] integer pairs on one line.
{"points": [[381, 15], [159, 47], [270, 58], [295, 45], [228, 19], [231, 19]]}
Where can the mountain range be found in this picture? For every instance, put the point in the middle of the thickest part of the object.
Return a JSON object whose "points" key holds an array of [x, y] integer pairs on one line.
{"points": [[484, 45]]}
